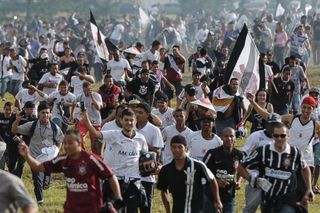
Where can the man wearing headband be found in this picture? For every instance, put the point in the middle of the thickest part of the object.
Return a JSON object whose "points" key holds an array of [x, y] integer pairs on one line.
{"points": [[183, 179]]}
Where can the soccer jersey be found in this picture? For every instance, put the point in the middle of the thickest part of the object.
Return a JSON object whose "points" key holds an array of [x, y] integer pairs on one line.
{"points": [[93, 113], [280, 169], [123, 152], [255, 140], [49, 78], [185, 185], [112, 125], [301, 136], [198, 146], [168, 133], [82, 181], [68, 98], [153, 138], [224, 166], [166, 117], [23, 96]]}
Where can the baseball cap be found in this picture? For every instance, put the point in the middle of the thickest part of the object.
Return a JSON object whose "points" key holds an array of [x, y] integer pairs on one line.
{"points": [[274, 118], [314, 90], [179, 139], [310, 101], [29, 104]]}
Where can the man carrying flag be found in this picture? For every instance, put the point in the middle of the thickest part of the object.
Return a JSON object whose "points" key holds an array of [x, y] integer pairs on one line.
{"points": [[229, 106], [242, 76]]}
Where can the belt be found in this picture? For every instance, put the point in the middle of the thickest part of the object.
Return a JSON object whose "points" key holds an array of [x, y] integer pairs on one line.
{"points": [[127, 179]]}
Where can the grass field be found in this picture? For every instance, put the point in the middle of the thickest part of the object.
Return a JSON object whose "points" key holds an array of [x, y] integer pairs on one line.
{"points": [[55, 195]]}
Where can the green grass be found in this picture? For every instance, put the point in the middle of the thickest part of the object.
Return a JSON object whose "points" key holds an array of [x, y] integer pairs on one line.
{"points": [[55, 195]]}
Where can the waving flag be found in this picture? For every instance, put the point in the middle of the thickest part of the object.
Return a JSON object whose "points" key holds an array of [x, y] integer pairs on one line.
{"points": [[99, 40], [244, 64]]}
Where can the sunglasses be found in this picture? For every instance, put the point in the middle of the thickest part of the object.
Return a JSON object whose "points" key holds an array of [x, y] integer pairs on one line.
{"points": [[279, 135]]}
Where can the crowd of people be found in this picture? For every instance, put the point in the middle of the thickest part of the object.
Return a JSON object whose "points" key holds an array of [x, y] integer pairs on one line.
{"points": [[151, 128]]}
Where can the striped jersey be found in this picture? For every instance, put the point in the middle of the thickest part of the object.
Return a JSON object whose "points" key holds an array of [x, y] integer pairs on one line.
{"points": [[280, 169], [185, 185]]}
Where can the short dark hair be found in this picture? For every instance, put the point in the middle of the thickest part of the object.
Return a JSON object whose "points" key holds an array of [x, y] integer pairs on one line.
{"points": [[75, 133], [279, 125], [86, 84], [63, 83], [155, 62], [144, 106], [155, 43], [127, 112], [8, 104], [107, 76]]}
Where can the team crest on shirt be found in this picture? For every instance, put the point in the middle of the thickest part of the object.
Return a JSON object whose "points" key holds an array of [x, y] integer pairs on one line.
{"points": [[82, 169], [286, 162], [143, 90]]}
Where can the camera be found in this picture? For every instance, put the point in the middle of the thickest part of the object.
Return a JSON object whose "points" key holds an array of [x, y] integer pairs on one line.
{"points": [[82, 107]]}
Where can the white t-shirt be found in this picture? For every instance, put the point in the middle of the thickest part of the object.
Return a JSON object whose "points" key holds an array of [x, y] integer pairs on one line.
{"points": [[148, 55], [112, 125], [166, 117], [198, 146], [116, 34], [154, 138], [122, 153], [5, 64], [93, 113], [255, 140], [76, 84], [49, 78], [168, 133], [20, 64], [69, 98], [268, 73], [117, 68], [199, 92], [23, 96]]}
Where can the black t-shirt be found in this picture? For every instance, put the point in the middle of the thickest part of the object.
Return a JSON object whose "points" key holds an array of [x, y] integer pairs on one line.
{"points": [[274, 66], [141, 89], [181, 185], [285, 90], [224, 165], [5, 127]]}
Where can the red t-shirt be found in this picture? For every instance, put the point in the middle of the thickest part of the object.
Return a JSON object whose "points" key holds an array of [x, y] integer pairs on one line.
{"points": [[83, 176]]}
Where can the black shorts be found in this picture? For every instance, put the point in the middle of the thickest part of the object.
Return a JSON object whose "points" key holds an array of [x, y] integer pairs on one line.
{"points": [[177, 85]]}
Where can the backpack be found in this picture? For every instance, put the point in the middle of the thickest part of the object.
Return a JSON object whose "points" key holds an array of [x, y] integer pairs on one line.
{"points": [[53, 126]]}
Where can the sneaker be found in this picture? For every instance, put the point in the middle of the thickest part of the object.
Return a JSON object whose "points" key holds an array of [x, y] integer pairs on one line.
{"points": [[40, 202], [4, 99]]}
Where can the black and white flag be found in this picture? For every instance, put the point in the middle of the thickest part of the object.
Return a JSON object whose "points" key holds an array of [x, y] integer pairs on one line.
{"points": [[244, 64]]}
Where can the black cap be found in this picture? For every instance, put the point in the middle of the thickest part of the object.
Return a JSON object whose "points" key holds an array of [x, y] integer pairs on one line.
{"points": [[179, 139], [29, 104]]}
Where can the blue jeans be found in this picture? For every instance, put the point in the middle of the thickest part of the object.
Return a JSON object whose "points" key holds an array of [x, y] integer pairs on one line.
{"points": [[285, 208], [40, 181], [98, 72], [60, 124], [229, 206], [16, 85], [283, 111], [5, 85], [252, 199], [295, 102]]}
